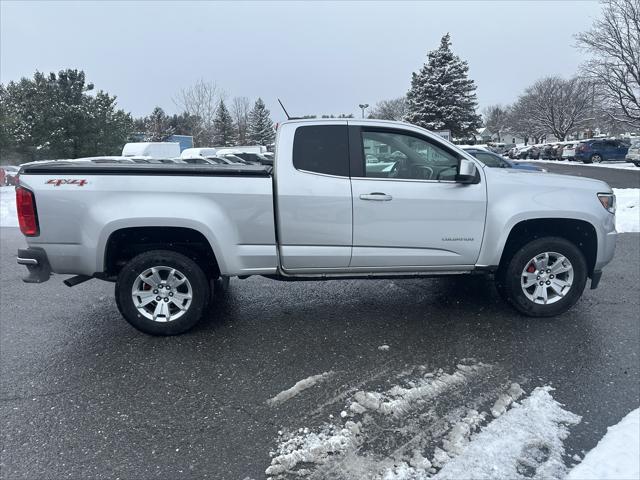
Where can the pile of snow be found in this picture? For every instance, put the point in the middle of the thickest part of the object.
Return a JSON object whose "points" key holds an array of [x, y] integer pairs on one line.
{"points": [[402, 434], [616, 165], [617, 455], [627, 209], [298, 387], [523, 443], [8, 214]]}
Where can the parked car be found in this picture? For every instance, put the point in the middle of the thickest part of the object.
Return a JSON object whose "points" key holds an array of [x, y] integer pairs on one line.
{"points": [[255, 158], [232, 158], [198, 152], [494, 160], [151, 149], [534, 152], [633, 155], [546, 152], [521, 152], [199, 160], [605, 150], [9, 175], [169, 234], [569, 151], [557, 151]]}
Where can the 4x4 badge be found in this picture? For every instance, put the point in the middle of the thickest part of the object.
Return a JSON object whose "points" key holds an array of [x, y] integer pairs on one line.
{"points": [[69, 181]]}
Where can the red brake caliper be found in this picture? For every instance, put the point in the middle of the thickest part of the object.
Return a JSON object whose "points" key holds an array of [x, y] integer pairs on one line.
{"points": [[531, 268]]}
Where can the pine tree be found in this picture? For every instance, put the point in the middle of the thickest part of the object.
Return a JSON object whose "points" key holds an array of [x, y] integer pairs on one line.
{"points": [[54, 116], [260, 125], [442, 97], [224, 131], [157, 126]]}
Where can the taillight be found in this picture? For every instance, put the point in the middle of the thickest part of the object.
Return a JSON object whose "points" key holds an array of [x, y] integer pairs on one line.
{"points": [[27, 213]]}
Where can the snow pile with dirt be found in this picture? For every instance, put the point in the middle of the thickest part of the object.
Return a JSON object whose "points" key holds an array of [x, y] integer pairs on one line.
{"points": [[298, 387], [617, 455], [8, 214], [627, 209], [433, 424]]}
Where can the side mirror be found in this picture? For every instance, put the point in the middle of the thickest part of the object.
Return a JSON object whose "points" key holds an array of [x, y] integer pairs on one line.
{"points": [[467, 172]]}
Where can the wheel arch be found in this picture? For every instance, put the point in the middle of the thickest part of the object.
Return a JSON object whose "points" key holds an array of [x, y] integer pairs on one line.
{"points": [[579, 232], [122, 244]]}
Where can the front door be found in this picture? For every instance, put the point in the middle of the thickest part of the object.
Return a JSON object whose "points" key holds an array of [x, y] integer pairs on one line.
{"points": [[408, 211]]}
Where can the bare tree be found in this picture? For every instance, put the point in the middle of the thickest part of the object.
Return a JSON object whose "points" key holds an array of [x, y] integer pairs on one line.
{"points": [[557, 106], [522, 124], [496, 119], [614, 41], [394, 109], [240, 108], [201, 100]]}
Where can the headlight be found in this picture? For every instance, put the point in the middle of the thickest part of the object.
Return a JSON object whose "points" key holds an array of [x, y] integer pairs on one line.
{"points": [[608, 201]]}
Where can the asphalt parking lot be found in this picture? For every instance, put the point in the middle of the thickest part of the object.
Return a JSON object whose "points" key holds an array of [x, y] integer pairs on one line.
{"points": [[84, 395]]}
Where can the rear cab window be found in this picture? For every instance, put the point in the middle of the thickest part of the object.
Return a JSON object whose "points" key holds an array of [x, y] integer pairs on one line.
{"points": [[322, 149]]}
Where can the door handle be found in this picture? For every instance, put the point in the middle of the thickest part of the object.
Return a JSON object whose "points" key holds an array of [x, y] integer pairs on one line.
{"points": [[376, 196]]}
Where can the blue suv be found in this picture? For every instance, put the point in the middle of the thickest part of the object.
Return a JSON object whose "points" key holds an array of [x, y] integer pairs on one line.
{"points": [[596, 151]]}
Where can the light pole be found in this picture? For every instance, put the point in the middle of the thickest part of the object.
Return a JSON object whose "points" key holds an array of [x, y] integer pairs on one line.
{"points": [[363, 106]]}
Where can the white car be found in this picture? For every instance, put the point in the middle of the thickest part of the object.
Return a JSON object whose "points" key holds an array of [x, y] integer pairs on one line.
{"points": [[569, 151]]}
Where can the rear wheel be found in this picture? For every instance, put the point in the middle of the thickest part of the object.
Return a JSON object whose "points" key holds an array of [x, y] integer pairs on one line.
{"points": [[545, 277], [162, 292], [595, 158]]}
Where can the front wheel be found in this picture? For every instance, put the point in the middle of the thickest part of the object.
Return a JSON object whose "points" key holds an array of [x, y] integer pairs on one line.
{"points": [[545, 277], [161, 292]]}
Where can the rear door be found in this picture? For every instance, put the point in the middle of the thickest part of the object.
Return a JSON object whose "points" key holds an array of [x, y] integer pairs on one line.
{"points": [[408, 212], [313, 194], [621, 150]]}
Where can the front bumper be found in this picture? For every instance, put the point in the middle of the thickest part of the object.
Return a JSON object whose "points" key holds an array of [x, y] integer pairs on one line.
{"points": [[37, 263]]}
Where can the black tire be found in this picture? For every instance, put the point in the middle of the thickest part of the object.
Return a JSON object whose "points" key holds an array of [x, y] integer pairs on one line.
{"points": [[509, 283], [199, 284], [595, 158]]}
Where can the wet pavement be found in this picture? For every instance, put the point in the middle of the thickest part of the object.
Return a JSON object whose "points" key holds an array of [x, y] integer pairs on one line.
{"points": [[84, 395]]}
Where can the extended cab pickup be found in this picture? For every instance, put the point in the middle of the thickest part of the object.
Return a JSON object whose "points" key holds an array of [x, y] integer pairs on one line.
{"points": [[345, 199]]}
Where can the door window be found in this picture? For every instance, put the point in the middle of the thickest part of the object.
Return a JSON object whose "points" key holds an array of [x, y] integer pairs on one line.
{"points": [[401, 156], [490, 160]]}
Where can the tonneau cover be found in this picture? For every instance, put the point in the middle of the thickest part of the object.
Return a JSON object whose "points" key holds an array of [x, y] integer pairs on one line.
{"points": [[91, 167]]}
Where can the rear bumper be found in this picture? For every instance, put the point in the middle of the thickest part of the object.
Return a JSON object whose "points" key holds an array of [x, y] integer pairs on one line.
{"points": [[37, 263]]}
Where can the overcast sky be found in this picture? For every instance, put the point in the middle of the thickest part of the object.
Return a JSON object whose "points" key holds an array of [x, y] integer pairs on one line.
{"points": [[317, 57]]}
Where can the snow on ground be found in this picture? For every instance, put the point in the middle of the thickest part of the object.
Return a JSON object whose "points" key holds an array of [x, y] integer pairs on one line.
{"points": [[431, 425], [617, 455], [525, 442], [8, 215], [617, 165], [298, 387], [627, 209]]}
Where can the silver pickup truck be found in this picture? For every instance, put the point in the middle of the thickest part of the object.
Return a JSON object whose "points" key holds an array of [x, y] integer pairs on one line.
{"points": [[345, 199]]}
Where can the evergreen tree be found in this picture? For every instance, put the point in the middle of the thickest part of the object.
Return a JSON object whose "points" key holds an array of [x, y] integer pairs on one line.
{"points": [[442, 97], [157, 126], [185, 123], [224, 131], [260, 125], [55, 116]]}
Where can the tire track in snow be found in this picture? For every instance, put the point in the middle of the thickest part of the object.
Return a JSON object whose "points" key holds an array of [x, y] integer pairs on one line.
{"points": [[404, 415], [428, 425]]}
